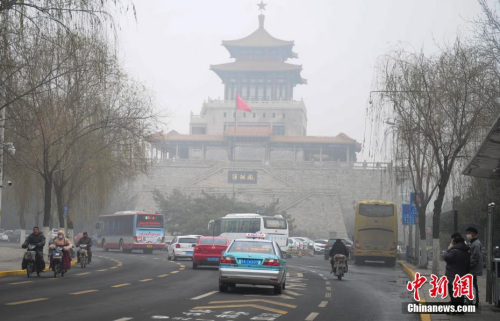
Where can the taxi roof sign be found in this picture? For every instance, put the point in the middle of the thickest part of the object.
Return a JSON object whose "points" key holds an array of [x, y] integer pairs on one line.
{"points": [[256, 235]]}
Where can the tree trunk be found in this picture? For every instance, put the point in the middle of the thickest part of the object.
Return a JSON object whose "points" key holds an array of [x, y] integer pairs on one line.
{"points": [[438, 203], [423, 241], [58, 190], [47, 206]]}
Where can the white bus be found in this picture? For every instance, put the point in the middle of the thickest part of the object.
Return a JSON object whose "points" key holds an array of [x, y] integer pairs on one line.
{"points": [[233, 226]]}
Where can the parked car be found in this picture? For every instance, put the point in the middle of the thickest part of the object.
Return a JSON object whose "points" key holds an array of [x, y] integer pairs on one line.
{"points": [[347, 242], [208, 250], [319, 246], [306, 242], [182, 247], [14, 236], [4, 237]]}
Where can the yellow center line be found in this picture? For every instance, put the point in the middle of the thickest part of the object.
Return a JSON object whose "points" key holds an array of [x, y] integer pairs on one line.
{"points": [[145, 280], [114, 267], [241, 306], [183, 266], [84, 273], [27, 301], [162, 275], [102, 270], [173, 272], [83, 292], [23, 282], [256, 300], [120, 285]]}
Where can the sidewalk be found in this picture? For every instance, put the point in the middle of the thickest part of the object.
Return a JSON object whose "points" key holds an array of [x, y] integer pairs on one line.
{"points": [[485, 312], [11, 258]]}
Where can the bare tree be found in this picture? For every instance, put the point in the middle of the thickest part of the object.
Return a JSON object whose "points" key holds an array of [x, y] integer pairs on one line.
{"points": [[439, 101]]}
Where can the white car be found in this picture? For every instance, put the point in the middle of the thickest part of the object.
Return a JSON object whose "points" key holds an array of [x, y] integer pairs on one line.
{"points": [[306, 242], [182, 247], [319, 246]]}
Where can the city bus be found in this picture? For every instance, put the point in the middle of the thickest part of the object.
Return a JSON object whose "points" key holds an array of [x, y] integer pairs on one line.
{"points": [[131, 230], [233, 226], [376, 232]]}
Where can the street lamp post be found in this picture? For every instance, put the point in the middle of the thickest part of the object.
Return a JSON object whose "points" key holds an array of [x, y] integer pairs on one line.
{"points": [[489, 246]]}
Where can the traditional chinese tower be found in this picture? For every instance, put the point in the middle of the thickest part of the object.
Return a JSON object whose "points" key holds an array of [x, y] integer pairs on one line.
{"points": [[263, 78], [260, 71]]}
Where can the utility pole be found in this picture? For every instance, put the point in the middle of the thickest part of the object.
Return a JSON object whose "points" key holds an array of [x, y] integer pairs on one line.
{"points": [[3, 86]]}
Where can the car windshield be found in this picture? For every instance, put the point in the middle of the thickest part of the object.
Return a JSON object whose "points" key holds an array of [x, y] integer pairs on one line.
{"points": [[188, 240], [216, 241], [252, 246]]}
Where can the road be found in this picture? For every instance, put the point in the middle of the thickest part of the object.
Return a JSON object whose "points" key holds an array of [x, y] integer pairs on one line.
{"points": [[135, 286]]}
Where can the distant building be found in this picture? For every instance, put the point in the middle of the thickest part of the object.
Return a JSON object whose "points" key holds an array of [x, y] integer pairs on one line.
{"points": [[275, 130]]}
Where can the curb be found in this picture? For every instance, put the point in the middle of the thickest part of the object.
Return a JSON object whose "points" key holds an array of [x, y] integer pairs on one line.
{"points": [[411, 274], [23, 272]]}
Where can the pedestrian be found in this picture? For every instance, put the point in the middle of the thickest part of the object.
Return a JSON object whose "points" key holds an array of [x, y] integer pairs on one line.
{"points": [[476, 258], [457, 260]]}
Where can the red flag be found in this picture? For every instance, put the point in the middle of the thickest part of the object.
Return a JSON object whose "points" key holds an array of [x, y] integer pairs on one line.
{"points": [[241, 104]]}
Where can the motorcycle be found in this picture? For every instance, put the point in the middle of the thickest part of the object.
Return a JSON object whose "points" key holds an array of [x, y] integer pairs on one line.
{"points": [[339, 265], [83, 255], [57, 261], [30, 259]]}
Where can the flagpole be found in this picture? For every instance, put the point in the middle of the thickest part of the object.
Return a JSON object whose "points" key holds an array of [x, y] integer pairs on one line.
{"points": [[234, 137]]}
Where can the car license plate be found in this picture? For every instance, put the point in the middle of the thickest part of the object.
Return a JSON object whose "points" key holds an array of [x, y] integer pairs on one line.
{"points": [[213, 259], [249, 261], [189, 252], [149, 246]]}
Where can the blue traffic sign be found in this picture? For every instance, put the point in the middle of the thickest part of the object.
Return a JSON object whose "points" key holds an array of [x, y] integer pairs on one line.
{"points": [[65, 209], [410, 214]]}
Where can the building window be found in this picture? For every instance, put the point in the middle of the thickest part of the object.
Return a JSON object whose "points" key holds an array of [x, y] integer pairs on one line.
{"points": [[253, 115], [244, 115], [278, 130], [274, 115], [263, 115], [283, 115], [225, 114], [234, 114]]}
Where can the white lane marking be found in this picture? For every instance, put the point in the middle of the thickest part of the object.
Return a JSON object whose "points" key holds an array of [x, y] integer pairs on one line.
{"points": [[320, 274], [292, 293], [312, 316], [323, 304], [328, 295], [287, 274], [327, 282], [154, 317], [328, 288], [300, 275], [123, 319], [203, 295]]}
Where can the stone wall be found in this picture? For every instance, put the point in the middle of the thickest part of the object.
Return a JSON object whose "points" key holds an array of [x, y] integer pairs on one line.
{"points": [[321, 197]]}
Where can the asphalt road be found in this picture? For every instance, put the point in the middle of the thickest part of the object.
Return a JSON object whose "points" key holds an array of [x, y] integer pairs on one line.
{"points": [[135, 286]]}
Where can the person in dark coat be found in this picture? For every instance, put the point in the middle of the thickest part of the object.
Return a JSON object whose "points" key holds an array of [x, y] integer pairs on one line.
{"points": [[476, 258], [457, 260], [85, 239], [37, 238], [339, 248]]}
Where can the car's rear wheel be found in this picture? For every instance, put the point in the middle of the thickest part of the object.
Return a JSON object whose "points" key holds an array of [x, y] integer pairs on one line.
{"points": [[195, 265], [278, 288], [223, 287], [175, 257]]}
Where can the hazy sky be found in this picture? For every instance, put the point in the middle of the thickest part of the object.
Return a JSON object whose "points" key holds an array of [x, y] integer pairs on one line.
{"points": [[173, 43]]}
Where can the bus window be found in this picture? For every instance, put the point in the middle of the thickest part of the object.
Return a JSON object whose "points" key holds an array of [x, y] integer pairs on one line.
{"points": [[376, 210], [274, 223], [254, 225]]}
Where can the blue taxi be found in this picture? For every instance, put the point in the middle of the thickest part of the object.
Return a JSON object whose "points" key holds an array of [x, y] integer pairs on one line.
{"points": [[253, 260]]}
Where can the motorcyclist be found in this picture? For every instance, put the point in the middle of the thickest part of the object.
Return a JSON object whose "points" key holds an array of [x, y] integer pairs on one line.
{"points": [[85, 239], [339, 248], [66, 244], [38, 239]]}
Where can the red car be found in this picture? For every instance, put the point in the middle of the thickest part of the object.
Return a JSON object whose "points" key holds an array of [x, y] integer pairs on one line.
{"points": [[208, 250]]}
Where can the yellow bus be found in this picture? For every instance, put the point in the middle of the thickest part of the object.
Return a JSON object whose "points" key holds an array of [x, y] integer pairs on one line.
{"points": [[375, 232]]}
